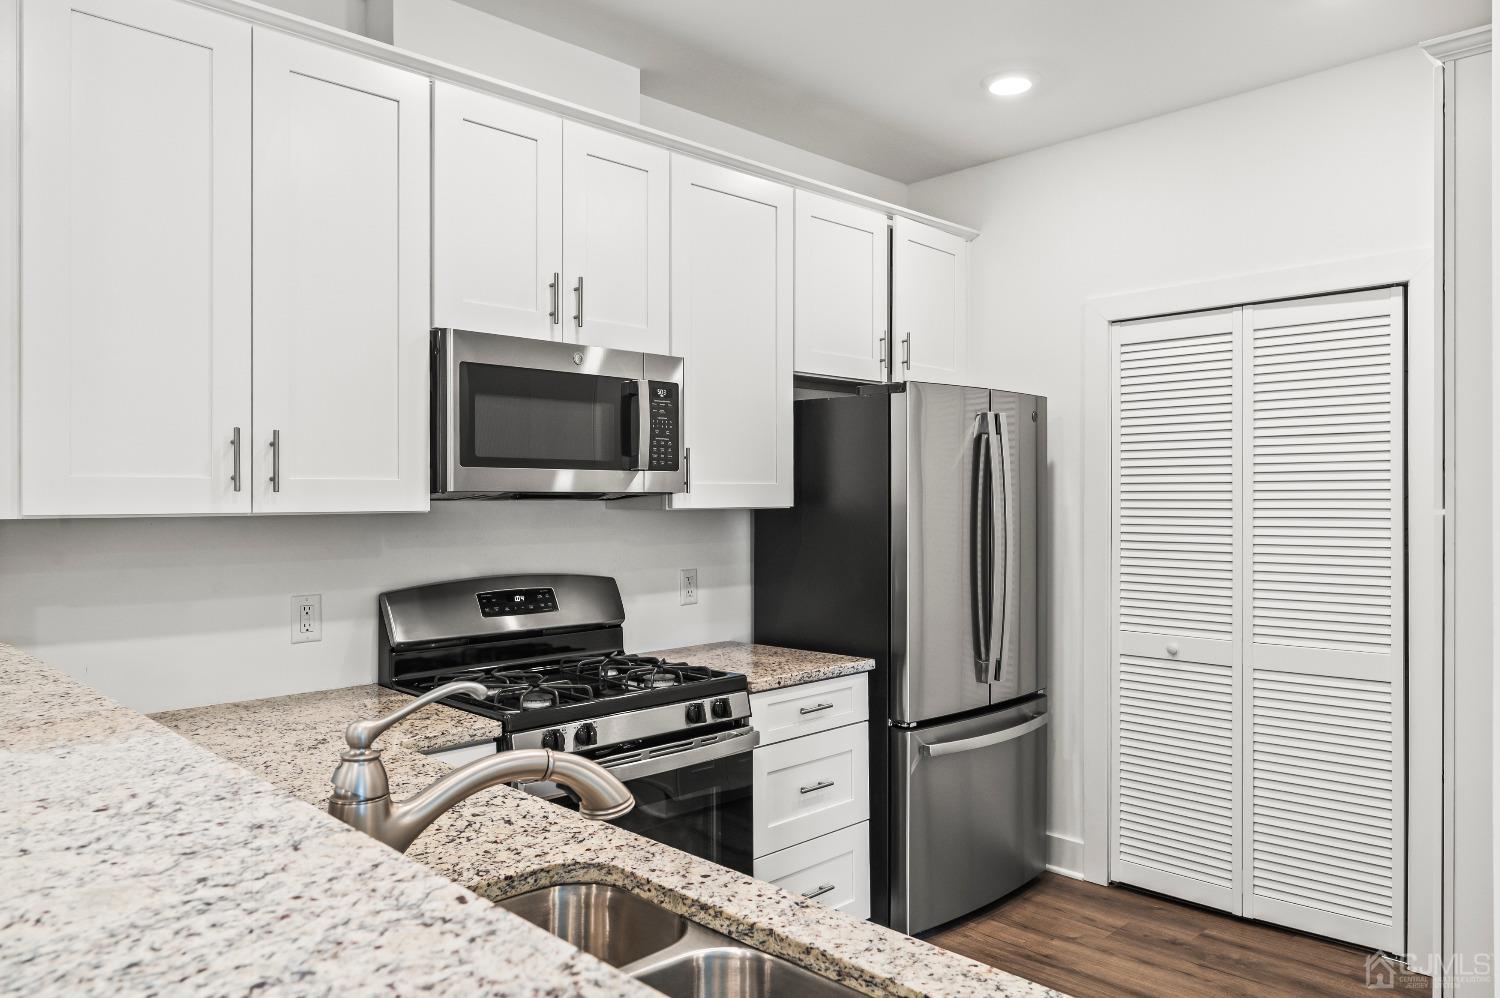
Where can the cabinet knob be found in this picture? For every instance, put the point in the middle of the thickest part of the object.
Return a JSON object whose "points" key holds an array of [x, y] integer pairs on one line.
{"points": [[1172, 648]]}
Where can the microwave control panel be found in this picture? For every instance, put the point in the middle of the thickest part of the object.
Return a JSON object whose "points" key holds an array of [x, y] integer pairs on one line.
{"points": [[664, 427]]}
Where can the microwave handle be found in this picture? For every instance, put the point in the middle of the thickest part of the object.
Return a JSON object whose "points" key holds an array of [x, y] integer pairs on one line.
{"points": [[637, 445]]}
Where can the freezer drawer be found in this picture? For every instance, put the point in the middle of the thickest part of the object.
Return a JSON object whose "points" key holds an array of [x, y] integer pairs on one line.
{"points": [[969, 813]]}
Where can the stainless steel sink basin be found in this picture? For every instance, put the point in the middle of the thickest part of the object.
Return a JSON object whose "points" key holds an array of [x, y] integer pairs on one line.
{"points": [[662, 949], [605, 922], [736, 972]]}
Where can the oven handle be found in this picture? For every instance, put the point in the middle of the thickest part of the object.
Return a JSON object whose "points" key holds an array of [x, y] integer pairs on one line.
{"points": [[739, 742]]}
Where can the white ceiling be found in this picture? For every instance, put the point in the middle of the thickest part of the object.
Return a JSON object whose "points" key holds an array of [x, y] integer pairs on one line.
{"points": [[895, 86]]}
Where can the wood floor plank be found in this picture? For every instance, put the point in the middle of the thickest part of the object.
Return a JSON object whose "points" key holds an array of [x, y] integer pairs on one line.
{"points": [[1113, 942]]}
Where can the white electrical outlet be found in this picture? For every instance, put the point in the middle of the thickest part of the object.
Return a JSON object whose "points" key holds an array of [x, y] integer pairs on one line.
{"points": [[307, 618], [689, 586]]}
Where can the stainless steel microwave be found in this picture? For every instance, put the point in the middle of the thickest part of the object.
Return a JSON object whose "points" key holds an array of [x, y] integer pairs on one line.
{"points": [[516, 418]]}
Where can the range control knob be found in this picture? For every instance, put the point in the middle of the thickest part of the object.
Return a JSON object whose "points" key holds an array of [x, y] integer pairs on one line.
{"points": [[585, 735], [554, 740], [695, 713], [721, 707]]}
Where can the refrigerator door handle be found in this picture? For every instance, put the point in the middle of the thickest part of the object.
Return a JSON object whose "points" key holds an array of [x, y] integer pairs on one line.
{"points": [[1004, 501], [981, 553], [941, 749]]}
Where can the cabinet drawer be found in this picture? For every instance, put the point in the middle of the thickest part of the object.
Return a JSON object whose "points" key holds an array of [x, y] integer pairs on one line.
{"points": [[810, 786], [833, 869], [794, 711]]}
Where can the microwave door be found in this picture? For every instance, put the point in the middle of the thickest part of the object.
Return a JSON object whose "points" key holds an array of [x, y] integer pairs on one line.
{"points": [[532, 416]]}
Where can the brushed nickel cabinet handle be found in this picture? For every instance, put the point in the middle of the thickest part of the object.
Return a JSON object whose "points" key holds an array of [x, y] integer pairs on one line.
{"points": [[234, 478], [815, 708], [554, 289], [814, 788], [883, 361], [818, 891], [578, 291], [906, 351], [687, 469], [275, 460]]}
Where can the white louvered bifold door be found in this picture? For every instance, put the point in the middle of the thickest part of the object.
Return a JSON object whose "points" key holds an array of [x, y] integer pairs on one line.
{"points": [[1324, 593], [1176, 755]]}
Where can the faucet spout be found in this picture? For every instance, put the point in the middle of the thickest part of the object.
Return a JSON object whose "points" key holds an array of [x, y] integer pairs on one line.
{"points": [[362, 800]]}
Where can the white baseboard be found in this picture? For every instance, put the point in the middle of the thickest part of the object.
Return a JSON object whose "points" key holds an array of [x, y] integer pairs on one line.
{"points": [[1065, 855]]}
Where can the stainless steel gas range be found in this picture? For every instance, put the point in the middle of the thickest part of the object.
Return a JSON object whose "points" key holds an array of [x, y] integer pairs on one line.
{"points": [[549, 650]]}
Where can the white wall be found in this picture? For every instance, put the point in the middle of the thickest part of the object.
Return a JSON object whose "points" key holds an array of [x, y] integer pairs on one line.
{"points": [[449, 31], [1330, 166], [165, 613], [752, 145]]}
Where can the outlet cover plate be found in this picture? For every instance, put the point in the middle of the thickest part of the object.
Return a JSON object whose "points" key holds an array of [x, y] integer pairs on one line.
{"points": [[689, 586], [307, 618]]}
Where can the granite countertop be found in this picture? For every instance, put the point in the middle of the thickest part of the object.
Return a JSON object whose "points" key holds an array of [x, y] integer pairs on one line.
{"points": [[137, 861], [134, 862], [768, 667]]}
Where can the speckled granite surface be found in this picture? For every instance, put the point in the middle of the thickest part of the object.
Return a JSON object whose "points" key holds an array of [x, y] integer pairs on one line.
{"points": [[134, 862], [768, 667], [504, 842]]}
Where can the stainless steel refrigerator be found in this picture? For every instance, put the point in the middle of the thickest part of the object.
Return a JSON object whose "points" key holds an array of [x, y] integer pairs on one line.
{"points": [[914, 540]]}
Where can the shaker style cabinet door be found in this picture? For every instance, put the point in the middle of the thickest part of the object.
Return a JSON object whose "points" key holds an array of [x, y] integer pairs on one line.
{"points": [[929, 304], [341, 281], [732, 325], [135, 259], [497, 215], [842, 273], [616, 224]]}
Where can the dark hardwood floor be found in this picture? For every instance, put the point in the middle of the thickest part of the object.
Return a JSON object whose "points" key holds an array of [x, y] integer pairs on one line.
{"points": [[1092, 941]]}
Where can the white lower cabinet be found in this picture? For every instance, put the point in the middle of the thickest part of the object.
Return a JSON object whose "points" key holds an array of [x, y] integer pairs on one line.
{"points": [[812, 791], [832, 868]]}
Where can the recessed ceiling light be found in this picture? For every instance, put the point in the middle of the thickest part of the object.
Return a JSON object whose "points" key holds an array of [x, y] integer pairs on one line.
{"points": [[1010, 85]]}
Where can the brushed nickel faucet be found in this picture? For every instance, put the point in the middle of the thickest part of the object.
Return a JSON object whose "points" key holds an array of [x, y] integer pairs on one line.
{"points": [[362, 798]]}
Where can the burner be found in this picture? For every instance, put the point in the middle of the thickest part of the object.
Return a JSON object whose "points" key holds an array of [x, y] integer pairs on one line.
{"points": [[538, 697]]}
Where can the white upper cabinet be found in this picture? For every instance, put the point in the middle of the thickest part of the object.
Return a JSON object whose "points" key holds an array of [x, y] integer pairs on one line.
{"points": [[616, 221], [842, 273], [136, 248], [732, 324], [929, 303], [497, 215], [341, 281]]}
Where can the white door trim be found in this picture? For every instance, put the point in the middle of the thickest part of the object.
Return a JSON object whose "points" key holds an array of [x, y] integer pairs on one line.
{"points": [[1415, 269]]}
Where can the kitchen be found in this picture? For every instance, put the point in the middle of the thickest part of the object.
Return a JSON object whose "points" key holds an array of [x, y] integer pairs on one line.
{"points": [[354, 190]]}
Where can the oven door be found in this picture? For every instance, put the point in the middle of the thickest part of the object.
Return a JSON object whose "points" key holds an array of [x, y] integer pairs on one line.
{"points": [[694, 795], [515, 415]]}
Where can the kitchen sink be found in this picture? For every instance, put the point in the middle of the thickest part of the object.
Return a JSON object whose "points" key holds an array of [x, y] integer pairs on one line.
{"points": [[605, 922], [662, 949], [736, 972]]}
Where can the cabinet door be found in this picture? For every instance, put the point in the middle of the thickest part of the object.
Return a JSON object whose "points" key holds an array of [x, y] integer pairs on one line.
{"points": [[341, 281], [616, 224], [497, 215], [929, 303], [732, 325], [842, 253], [136, 258]]}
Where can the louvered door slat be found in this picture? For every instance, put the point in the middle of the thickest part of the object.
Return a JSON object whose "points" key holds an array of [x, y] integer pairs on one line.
{"points": [[1324, 787]]}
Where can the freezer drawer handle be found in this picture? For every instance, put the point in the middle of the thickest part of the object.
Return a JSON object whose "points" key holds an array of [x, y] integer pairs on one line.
{"points": [[815, 708], [818, 891], [820, 785], [983, 741]]}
